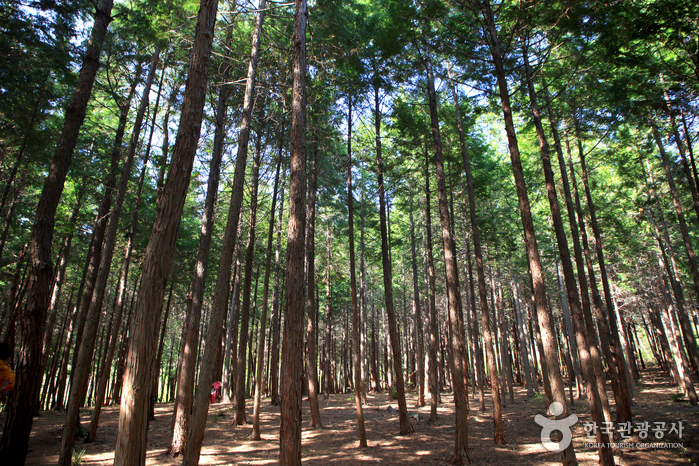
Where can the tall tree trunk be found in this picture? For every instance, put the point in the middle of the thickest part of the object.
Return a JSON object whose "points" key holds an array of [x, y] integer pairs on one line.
{"points": [[353, 288], [543, 314], [18, 424], [327, 370], [405, 427], [220, 302], [431, 292], [195, 298], [456, 329], [595, 390], [131, 443], [95, 310], [265, 294], [276, 318], [247, 286], [311, 348], [689, 336], [292, 363], [420, 350], [498, 433], [86, 318], [623, 405]]}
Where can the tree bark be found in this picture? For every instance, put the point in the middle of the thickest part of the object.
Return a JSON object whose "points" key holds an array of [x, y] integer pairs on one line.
{"points": [[405, 427], [131, 444], [292, 363], [353, 289], [456, 332], [595, 390], [543, 314], [265, 294]]}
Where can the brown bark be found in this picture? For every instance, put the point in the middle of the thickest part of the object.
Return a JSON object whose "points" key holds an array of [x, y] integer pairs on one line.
{"points": [[417, 310], [623, 402], [327, 367], [131, 444], [536, 271], [405, 427], [220, 302], [276, 318], [311, 349], [265, 294], [456, 332], [689, 336], [606, 456], [434, 330], [247, 287], [292, 363], [353, 289], [18, 425], [195, 298]]}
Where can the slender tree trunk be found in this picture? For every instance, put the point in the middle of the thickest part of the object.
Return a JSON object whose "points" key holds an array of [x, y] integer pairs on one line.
{"points": [[606, 456], [311, 348], [431, 291], [276, 318], [292, 364], [195, 298], [456, 332], [87, 345], [247, 286], [689, 336], [623, 404], [420, 350], [353, 289], [220, 301], [265, 294], [498, 433], [405, 427], [543, 314], [18, 425], [327, 378], [131, 438]]}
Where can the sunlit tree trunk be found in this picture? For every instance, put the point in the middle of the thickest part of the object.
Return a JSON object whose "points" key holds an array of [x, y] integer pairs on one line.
{"points": [[536, 271], [311, 349], [131, 442], [606, 456], [292, 362], [456, 331], [353, 289]]}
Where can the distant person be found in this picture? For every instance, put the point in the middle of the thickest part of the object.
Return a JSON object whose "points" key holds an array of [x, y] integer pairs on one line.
{"points": [[7, 375]]}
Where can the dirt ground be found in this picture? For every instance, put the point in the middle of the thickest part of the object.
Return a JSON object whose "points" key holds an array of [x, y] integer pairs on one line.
{"points": [[431, 444]]}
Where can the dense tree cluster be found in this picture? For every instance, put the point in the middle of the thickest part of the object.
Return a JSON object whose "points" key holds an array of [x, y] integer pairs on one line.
{"points": [[142, 253]]}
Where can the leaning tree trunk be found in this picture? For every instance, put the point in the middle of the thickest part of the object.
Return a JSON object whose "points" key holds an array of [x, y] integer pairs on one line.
{"points": [[195, 298], [606, 456], [131, 443], [536, 270], [220, 301], [353, 289], [624, 403], [292, 362], [18, 425], [456, 325], [405, 427], [85, 357]]}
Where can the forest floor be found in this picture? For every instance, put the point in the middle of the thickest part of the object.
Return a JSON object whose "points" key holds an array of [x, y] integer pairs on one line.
{"points": [[431, 444]]}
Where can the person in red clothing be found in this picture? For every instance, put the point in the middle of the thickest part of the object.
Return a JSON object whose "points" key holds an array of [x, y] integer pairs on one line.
{"points": [[7, 375]]}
